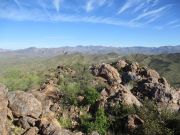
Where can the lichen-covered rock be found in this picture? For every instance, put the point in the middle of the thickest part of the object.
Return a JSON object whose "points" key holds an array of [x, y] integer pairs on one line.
{"points": [[24, 104], [162, 93], [94, 133], [31, 131], [132, 67], [152, 73], [119, 93], [3, 110], [133, 122], [130, 76], [25, 122], [107, 72], [114, 95], [120, 64], [50, 126]]}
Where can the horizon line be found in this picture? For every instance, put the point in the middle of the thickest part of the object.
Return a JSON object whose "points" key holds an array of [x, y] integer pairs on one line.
{"points": [[69, 46]]}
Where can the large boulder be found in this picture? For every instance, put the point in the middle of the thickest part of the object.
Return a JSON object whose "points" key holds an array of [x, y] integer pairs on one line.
{"points": [[119, 93], [107, 72], [24, 104], [160, 91], [31, 131], [132, 67], [130, 76], [3, 110], [50, 126], [133, 122], [120, 64], [116, 94], [152, 73]]}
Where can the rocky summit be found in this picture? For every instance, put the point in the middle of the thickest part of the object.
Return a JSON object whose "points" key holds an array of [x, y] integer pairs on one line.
{"points": [[112, 98]]}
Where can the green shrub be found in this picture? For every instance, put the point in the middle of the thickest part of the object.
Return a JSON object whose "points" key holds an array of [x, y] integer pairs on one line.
{"points": [[71, 91], [91, 96], [65, 122], [154, 123], [18, 80], [99, 123], [119, 112]]}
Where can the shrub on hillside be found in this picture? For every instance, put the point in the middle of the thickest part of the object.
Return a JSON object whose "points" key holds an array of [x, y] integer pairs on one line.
{"points": [[91, 96], [70, 91], [65, 122], [18, 80], [99, 123]]}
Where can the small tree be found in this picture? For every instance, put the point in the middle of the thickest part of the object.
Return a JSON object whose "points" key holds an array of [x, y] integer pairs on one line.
{"points": [[91, 96], [99, 123]]}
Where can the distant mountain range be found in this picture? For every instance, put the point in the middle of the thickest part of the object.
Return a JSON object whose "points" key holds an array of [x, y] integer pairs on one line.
{"points": [[50, 52], [3, 50]]}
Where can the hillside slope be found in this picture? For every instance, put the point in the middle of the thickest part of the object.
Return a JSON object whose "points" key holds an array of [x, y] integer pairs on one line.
{"points": [[121, 97], [51, 52], [168, 65]]}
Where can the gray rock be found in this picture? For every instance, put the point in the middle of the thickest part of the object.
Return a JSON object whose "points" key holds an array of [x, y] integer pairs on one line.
{"points": [[3, 110], [94, 133], [24, 104], [31, 131], [107, 72]]}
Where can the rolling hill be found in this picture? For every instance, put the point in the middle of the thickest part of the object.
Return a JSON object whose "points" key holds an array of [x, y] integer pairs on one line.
{"points": [[51, 52]]}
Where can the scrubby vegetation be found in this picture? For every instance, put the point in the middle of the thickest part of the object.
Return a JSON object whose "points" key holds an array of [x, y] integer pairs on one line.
{"points": [[16, 79], [155, 122], [167, 65], [97, 123], [80, 82]]}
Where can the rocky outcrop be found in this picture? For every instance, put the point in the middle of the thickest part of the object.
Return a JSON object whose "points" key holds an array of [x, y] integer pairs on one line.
{"points": [[24, 104], [122, 83], [3, 110], [148, 83], [65, 70], [120, 94], [133, 122], [107, 72], [120, 64], [164, 95], [31, 131]]}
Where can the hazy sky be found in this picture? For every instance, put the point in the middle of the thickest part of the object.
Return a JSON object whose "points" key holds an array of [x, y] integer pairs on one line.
{"points": [[55, 23]]}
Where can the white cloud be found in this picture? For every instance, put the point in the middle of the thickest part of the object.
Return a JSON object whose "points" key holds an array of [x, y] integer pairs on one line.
{"points": [[137, 5], [153, 12], [154, 18], [38, 15], [127, 5], [172, 22], [176, 26], [91, 4], [57, 4], [93, 19], [152, 4], [45, 13], [17, 3]]}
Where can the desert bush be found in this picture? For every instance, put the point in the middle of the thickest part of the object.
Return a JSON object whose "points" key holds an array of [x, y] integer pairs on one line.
{"points": [[171, 120], [91, 96], [70, 91], [119, 112], [18, 80], [155, 123], [99, 123], [65, 122], [153, 120]]}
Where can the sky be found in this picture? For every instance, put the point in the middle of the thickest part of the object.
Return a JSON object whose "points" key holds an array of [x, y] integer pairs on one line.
{"points": [[119, 23]]}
